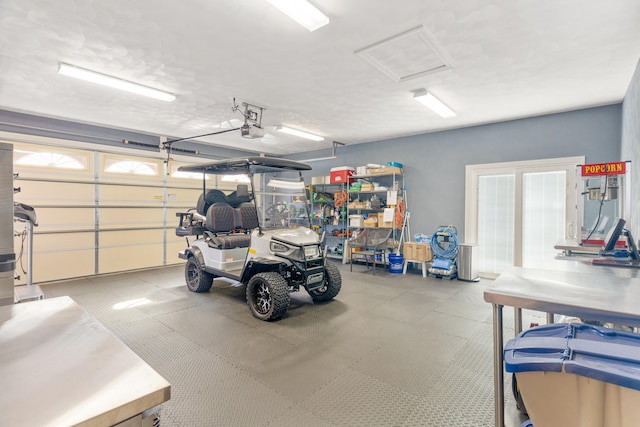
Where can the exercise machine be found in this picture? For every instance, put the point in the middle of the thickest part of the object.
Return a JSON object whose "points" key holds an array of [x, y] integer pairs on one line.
{"points": [[26, 215]]}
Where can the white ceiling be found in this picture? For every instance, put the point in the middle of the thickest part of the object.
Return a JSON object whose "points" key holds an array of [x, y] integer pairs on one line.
{"points": [[510, 59]]}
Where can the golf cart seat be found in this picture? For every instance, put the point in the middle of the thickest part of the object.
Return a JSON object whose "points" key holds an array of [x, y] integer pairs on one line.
{"points": [[192, 223], [221, 228], [240, 196], [209, 198], [247, 216]]}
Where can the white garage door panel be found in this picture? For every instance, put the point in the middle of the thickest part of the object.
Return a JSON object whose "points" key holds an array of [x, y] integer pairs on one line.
{"points": [[130, 257], [62, 242], [172, 252], [131, 217], [172, 238], [54, 193], [127, 195], [67, 219], [62, 265], [181, 198], [110, 239]]}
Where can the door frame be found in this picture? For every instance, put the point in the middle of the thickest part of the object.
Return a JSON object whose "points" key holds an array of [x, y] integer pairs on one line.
{"points": [[518, 168]]}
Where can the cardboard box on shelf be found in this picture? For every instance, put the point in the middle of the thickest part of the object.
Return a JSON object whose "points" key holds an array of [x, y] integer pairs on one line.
{"points": [[362, 170], [385, 171], [342, 175], [371, 222], [357, 205], [366, 187], [317, 180]]}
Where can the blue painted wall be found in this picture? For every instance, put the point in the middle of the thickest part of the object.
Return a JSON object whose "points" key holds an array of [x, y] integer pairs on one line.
{"points": [[435, 163]]}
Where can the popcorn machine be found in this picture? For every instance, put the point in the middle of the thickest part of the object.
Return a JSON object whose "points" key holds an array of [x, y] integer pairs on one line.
{"points": [[605, 196]]}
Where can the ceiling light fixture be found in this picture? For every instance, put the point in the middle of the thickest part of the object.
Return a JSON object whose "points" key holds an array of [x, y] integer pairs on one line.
{"points": [[296, 132], [426, 98], [114, 82], [303, 12]]}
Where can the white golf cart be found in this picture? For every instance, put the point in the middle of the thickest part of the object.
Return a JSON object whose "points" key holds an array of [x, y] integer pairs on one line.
{"points": [[261, 239]]}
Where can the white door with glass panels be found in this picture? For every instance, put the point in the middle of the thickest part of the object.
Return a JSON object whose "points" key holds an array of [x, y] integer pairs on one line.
{"points": [[516, 212]]}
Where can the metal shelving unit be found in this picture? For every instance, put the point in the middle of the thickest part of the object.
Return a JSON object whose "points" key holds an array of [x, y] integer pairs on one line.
{"points": [[330, 220], [360, 203]]}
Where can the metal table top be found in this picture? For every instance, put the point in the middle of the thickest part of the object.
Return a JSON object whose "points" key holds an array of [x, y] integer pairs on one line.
{"points": [[572, 287], [573, 246], [59, 366]]}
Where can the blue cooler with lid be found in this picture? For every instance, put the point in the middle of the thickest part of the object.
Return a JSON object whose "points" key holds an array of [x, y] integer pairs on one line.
{"points": [[577, 375]]}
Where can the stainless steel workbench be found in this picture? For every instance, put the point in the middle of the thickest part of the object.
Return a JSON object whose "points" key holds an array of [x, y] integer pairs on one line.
{"points": [[569, 286], [571, 246], [60, 367]]}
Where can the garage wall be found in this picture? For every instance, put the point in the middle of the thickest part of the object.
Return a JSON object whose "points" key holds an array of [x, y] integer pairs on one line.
{"points": [[435, 163], [631, 142]]}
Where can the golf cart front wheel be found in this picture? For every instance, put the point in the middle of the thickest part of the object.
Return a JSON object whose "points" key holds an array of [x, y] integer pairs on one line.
{"points": [[197, 279], [330, 287], [268, 296]]}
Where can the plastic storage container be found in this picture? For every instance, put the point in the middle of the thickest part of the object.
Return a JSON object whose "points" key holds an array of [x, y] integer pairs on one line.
{"points": [[356, 221], [577, 375], [341, 175]]}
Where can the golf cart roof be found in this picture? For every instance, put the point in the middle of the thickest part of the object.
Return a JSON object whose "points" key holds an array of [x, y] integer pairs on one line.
{"points": [[242, 165]]}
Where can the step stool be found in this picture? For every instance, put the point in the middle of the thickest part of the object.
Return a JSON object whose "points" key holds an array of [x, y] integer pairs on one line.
{"points": [[424, 266]]}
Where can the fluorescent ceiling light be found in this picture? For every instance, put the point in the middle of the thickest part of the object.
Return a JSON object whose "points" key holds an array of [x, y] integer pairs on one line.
{"points": [[299, 133], [303, 12], [114, 82], [434, 103]]}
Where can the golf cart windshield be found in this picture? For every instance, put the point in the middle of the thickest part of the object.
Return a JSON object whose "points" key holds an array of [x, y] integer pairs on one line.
{"points": [[282, 202], [277, 188]]}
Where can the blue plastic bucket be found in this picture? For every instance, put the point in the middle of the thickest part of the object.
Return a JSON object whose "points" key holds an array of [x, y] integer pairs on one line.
{"points": [[395, 263]]}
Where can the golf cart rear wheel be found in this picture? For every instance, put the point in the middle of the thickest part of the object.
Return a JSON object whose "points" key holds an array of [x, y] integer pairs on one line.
{"points": [[330, 287], [197, 279], [268, 296]]}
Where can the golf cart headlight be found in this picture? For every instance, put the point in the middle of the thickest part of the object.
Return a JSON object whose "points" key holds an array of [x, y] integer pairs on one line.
{"points": [[279, 247], [311, 251]]}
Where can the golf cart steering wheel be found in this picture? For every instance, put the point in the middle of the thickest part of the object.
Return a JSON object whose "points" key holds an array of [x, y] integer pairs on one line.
{"points": [[277, 212]]}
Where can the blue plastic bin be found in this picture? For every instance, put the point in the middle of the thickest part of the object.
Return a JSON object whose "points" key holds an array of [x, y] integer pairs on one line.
{"points": [[577, 375]]}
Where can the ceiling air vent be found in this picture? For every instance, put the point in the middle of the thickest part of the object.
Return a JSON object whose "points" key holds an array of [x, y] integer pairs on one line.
{"points": [[407, 56]]}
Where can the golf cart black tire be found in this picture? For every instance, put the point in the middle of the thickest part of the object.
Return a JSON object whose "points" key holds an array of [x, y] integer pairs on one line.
{"points": [[331, 286], [197, 279], [278, 295]]}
